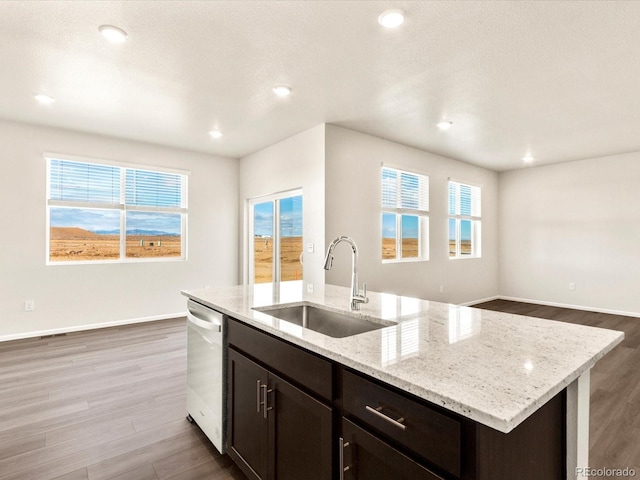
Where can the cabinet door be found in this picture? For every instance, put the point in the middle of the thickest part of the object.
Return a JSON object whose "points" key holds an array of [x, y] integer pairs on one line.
{"points": [[247, 428], [300, 433], [365, 457]]}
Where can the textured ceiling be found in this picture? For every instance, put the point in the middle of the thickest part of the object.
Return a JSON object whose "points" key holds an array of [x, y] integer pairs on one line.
{"points": [[558, 79]]}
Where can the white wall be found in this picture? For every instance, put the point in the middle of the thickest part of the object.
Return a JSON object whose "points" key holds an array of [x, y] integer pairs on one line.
{"points": [[74, 296], [353, 203], [576, 222], [297, 162]]}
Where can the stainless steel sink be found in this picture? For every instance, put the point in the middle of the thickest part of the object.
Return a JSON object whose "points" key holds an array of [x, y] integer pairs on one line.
{"points": [[327, 322]]}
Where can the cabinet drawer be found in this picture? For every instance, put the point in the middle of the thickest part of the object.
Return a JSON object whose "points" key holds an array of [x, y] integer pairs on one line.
{"points": [[365, 457], [427, 432], [305, 368]]}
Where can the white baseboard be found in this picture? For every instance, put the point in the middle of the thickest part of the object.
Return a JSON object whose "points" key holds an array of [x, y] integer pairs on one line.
{"points": [[91, 326], [481, 300], [567, 305]]}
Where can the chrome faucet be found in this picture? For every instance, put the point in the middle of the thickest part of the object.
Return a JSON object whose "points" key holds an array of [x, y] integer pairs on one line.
{"points": [[356, 298]]}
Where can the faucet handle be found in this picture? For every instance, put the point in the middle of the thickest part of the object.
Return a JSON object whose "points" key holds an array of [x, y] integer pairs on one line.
{"points": [[364, 293]]}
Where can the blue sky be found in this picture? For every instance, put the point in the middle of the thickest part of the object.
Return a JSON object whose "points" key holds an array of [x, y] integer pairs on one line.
{"points": [[410, 225], [290, 217]]}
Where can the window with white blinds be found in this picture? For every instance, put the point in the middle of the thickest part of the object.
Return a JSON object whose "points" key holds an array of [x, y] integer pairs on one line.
{"points": [[465, 220], [405, 215], [101, 212]]}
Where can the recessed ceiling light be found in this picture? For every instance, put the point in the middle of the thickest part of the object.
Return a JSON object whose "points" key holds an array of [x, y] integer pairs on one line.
{"points": [[528, 158], [113, 34], [445, 124], [282, 90], [391, 18], [44, 99], [215, 133]]}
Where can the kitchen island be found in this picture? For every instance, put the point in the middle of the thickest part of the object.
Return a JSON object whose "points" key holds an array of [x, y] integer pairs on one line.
{"points": [[493, 368]]}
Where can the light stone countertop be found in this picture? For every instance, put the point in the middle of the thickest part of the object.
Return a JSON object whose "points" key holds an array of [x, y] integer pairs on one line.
{"points": [[494, 368]]}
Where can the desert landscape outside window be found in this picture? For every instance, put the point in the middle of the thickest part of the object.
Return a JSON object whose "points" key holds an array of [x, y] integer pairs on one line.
{"points": [[405, 215], [276, 238], [99, 213]]}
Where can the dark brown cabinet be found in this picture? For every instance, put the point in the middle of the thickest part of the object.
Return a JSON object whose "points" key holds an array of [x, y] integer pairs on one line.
{"points": [[275, 429], [248, 429], [365, 457]]}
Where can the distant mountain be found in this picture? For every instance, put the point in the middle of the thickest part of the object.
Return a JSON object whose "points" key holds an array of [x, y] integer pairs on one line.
{"points": [[139, 232], [151, 233], [70, 233]]}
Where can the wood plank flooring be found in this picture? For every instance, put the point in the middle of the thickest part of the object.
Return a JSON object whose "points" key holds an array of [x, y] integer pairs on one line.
{"points": [[614, 434], [102, 404]]}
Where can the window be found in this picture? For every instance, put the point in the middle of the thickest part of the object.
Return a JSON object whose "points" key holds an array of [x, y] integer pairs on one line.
{"points": [[464, 220], [99, 212], [405, 216], [275, 232]]}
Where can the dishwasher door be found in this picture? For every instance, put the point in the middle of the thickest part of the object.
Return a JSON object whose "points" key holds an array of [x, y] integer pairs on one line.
{"points": [[206, 376]]}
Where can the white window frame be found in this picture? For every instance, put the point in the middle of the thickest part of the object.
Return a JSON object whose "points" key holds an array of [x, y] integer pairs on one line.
{"points": [[251, 202], [476, 221], [120, 207], [398, 211]]}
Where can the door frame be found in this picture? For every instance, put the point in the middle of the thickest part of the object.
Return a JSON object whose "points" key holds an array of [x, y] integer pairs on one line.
{"points": [[250, 237]]}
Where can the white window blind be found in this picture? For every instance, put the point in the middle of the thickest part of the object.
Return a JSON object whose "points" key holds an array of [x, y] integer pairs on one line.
{"points": [[464, 200], [154, 189], [83, 183], [404, 190]]}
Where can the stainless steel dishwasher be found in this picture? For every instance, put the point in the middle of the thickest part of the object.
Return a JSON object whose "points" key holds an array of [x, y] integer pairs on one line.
{"points": [[206, 372]]}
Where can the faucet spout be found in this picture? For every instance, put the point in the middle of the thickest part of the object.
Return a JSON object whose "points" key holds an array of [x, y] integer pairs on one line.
{"points": [[356, 297]]}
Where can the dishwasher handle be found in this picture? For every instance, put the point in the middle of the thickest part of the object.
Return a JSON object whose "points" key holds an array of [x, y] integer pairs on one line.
{"points": [[204, 317]]}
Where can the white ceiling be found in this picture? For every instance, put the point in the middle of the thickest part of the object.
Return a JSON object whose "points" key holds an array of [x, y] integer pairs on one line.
{"points": [[559, 79]]}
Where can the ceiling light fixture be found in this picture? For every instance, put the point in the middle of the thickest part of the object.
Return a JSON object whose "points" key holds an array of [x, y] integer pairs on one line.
{"points": [[445, 124], [528, 158], [282, 90], [113, 34], [215, 133], [391, 18], [44, 99]]}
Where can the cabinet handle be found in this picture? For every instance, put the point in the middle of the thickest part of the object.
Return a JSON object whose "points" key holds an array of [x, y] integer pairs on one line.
{"points": [[258, 396], [378, 411], [265, 399], [343, 468]]}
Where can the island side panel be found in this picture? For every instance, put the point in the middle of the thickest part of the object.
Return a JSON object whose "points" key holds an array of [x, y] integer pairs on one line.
{"points": [[534, 450], [578, 398]]}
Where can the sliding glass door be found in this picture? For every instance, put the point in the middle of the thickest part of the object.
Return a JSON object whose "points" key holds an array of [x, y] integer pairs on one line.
{"points": [[275, 238]]}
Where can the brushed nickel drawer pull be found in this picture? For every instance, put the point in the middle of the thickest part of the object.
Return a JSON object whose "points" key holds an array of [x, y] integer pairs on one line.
{"points": [[343, 468], [378, 411], [258, 403], [265, 399]]}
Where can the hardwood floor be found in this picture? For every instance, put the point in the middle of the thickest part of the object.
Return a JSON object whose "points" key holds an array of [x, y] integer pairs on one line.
{"points": [[110, 403], [614, 435], [102, 404]]}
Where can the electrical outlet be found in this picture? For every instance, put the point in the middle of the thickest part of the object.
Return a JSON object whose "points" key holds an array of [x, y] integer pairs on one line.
{"points": [[572, 286], [309, 287], [309, 247], [441, 288], [29, 305]]}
